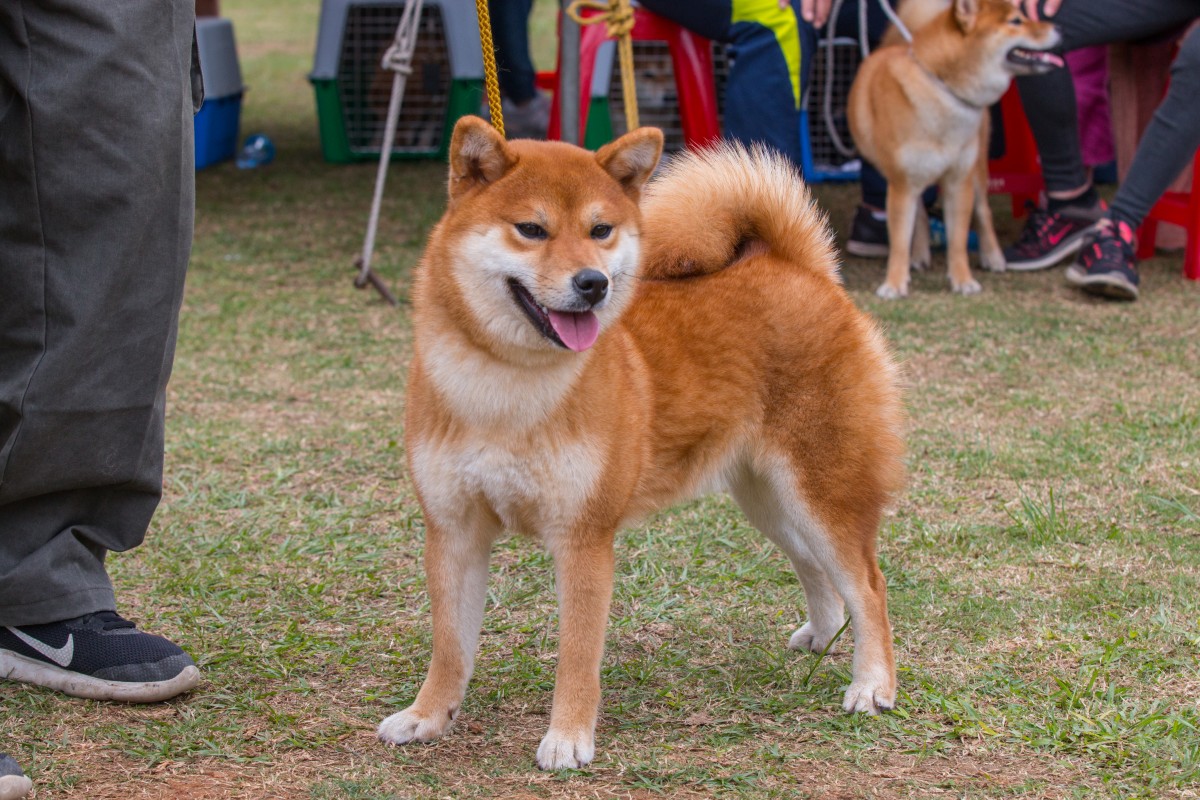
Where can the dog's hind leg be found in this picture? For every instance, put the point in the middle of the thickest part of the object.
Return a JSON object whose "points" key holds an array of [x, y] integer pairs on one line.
{"points": [[922, 249], [826, 611], [835, 563], [991, 256], [456, 569]]}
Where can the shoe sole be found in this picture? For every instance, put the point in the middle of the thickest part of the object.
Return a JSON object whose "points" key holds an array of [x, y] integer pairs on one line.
{"points": [[1066, 248], [1112, 286], [865, 250], [14, 787], [16, 667]]}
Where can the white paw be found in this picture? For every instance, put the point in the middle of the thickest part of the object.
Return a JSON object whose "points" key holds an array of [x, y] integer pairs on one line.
{"points": [[409, 726], [566, 750], [807, 637], [920, 264], [889, 292], [993, 262], [871, 697], [967, 288]]}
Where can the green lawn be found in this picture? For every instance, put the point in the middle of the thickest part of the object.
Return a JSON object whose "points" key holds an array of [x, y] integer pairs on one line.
{"points": [[1043, 564]]}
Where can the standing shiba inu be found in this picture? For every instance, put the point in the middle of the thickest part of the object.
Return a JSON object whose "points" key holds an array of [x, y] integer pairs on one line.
{"points": [[919, 114], [561, 390]]}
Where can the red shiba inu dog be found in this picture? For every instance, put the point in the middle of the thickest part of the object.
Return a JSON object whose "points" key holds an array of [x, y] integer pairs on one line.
{"points": [[580, 363], [919, 113]]}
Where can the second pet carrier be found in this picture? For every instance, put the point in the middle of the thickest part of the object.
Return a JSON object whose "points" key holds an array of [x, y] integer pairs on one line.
{"points": [[353, 89]]}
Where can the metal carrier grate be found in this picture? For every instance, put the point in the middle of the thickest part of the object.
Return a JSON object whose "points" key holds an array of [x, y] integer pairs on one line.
{"points": [[366, 87], [826, 156], [658, 100], [721, 64]]}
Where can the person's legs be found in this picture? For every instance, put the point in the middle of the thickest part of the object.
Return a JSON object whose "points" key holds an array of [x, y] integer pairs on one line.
{"points": [[1073, 208], [1107, 264], [868, 236], [526, 110], [510, 32], [96, 206], [1169, 141], [95, 219], [868, 230]]}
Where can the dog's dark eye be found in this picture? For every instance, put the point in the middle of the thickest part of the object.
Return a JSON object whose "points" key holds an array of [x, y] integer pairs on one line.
{"points": [[531, 230], [601, 231], [1015, 21]]}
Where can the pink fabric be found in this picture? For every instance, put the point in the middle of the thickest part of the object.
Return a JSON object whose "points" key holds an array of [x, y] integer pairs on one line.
{"points": [[1089, 69]]}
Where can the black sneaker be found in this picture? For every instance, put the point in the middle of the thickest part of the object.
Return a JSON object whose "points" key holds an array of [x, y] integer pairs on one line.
{"points": [[1107, 265], [13, 783], [99, 656], [868, 235], [1049, 237]]}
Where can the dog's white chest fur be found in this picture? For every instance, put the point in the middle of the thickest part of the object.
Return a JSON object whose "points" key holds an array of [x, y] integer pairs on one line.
{"points": [[948, 147], [536, 484]]}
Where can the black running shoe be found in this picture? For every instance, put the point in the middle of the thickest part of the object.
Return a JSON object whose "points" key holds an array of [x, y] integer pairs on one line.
{"points": [[1107, 265], [1049, 237], [868, 236], [13, 783], [99, 656]]}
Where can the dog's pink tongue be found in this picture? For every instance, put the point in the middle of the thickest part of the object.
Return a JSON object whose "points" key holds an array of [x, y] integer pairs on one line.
{"points": [[577, 331]]}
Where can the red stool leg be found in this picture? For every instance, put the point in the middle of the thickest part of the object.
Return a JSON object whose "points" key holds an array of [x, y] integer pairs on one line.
{"points": [[691, 58], [1017, 172], [1191, 255], [1146, 235]]}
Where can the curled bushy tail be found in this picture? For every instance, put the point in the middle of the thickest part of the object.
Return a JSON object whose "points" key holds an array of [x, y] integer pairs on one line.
{"points": [[713, 206]]}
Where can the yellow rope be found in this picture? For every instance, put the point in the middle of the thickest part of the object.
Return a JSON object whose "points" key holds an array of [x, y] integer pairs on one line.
{"points": [[618, 19], [491, 78]]}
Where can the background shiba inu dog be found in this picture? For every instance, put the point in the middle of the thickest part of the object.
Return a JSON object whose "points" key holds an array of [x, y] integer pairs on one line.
{"points": [[560, 390], [919, 113]]}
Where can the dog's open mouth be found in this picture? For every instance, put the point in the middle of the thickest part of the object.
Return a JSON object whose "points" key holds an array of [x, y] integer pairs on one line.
{"points": [[1034, 61], [574, 330]]}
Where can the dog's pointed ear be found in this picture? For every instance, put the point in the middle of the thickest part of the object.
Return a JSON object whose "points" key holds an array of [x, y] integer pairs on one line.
{"points": [[478, 156], [631, 159], [965, 12]]}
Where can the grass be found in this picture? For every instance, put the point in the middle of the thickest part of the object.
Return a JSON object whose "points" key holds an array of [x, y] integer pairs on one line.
{"points": [[1043, 564]]}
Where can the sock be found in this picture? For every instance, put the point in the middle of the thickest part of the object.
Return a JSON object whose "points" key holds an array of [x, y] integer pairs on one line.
{"points": [[1117, 215], [1089, 200]]}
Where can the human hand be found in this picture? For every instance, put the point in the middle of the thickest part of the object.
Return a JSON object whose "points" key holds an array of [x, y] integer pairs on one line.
{"points": [[814, 11]]}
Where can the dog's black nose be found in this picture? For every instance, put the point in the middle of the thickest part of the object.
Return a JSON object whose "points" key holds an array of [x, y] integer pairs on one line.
{"points": [[591, 284]]}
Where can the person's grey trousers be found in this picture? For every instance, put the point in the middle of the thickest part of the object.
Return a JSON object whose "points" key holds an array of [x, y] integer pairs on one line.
{"points": [[97, 196]]}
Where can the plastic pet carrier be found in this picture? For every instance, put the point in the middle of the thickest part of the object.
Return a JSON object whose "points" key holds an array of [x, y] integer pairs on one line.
{"points": [[353, 89], [826, 147]]}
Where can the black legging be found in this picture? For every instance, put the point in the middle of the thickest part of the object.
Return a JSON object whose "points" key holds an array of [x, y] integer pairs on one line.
{"points": [[1173, 134]]}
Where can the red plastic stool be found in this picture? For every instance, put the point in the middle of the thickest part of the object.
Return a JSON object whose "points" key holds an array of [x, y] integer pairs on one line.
{"points": [[1018, 172], [691, 61], [1180, 208]]}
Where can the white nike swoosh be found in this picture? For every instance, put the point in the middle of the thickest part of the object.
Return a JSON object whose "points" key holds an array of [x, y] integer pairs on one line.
{"points": [[59, 655]]}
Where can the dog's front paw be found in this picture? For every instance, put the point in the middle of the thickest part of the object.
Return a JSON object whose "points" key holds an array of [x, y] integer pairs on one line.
{"points": [[967, 287], [410, 726], [889, 292], [566, 749], [808, 637], [871, 697]]}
